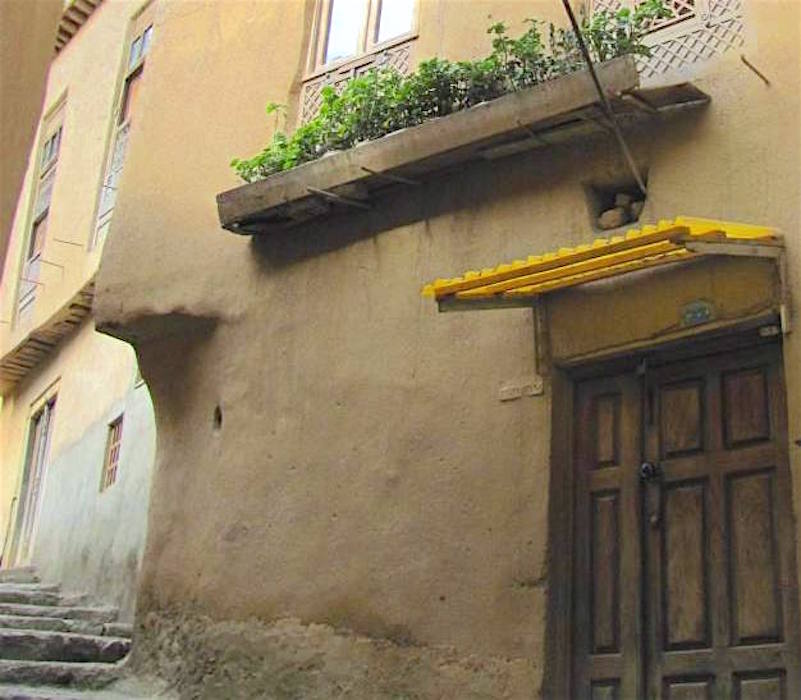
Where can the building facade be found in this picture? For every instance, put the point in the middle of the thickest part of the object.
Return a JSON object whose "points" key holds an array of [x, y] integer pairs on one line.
{"points": [[77, 426], [594, 493]]}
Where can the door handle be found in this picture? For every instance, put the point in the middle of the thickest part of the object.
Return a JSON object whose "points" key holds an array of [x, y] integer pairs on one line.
{"points": [[651, 479], [649, 471]]}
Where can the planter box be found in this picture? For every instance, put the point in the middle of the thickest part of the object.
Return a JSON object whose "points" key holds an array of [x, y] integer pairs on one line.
{"points": [[546, 113]]}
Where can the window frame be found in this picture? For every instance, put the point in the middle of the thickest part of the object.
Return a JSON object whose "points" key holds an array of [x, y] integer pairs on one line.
{"points": [[141, 25], [51, 132], [46, 169], [35, 458], [368, 37]]}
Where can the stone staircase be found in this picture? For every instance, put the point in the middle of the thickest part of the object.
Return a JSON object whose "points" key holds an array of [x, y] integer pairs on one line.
{"points": [[53, 645]]}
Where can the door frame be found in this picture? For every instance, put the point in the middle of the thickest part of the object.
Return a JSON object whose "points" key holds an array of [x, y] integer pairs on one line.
{"points": [[558, 672], [44, 405]]}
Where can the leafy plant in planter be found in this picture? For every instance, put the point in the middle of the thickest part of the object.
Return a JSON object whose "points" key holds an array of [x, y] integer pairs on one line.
{"points": [[383, 100]]}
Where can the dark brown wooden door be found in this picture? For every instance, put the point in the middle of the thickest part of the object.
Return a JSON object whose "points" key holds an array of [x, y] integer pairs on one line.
{"points": [[684, 577]]}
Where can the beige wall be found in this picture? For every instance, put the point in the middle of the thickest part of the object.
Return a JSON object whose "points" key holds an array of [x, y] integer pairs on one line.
{"points": [[86, 73], [365, 475], [89, 373], [88, 541], [27, 37]]}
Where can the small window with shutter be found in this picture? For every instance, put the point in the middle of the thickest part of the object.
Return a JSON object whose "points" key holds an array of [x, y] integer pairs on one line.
{"points": [[112, 459]]}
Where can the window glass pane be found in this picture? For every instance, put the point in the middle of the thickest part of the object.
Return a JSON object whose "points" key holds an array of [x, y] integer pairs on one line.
{"points": [[136, 52], [345, 29], [50, 149], [396, 18], [132, 86], [147, 35], [56, 142], [38, 237], [44, 193], [46, 152]]}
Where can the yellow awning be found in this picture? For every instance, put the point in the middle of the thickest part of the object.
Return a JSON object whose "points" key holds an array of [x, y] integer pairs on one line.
{"points": [[666, 242]]}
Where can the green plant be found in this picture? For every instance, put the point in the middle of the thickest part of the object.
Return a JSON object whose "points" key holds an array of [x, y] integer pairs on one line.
{"points": [[382, 100]]}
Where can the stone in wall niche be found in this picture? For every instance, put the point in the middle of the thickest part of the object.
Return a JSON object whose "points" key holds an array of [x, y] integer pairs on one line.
{"points": [[614, 204]]}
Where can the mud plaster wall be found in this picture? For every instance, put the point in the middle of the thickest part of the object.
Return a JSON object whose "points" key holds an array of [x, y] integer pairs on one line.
{"points": [[365, 475], [86, 540]]}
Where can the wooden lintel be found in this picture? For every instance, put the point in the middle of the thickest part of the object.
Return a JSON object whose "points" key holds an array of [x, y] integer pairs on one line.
{"points": [[752, 248], [452, 303]]}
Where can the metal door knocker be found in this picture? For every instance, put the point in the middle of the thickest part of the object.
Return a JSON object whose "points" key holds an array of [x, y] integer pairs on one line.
{"points": [[650, 471]]}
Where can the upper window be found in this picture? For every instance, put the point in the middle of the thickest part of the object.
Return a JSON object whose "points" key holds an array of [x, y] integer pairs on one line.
{"points": [[50, 150], [37, 233], [134, 70], [136, 59], [349, 28]]}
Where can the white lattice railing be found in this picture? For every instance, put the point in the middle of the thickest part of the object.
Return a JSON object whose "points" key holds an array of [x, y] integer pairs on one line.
{"points": [[697, 31], [396, 57]]}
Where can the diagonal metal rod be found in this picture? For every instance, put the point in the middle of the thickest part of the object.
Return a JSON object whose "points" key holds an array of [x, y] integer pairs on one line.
{"points": [[604, 99]]}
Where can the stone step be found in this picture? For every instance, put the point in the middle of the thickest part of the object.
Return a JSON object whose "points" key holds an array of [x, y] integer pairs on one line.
{"points": [[28, 596], [75, 599], [33, 645], [28, 586], [31, 692], [118, 629], [76, 675], [55, 624], [127, 689], [20, 574], [91, 614]]}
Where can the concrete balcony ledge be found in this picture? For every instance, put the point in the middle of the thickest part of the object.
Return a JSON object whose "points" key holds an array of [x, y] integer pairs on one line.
{"points": [[546, 114]]}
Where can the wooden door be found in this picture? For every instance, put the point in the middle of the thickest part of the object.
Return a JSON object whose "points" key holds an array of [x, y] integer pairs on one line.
{"points": [[33, 482], [607, 625], [684, 575]]}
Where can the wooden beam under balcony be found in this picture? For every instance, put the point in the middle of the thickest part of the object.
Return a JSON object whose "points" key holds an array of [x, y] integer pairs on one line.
{"points": [[24, 357]]}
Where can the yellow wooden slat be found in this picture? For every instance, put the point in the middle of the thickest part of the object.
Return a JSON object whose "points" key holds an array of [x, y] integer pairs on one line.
{"points": [[731, 229], [633, 238], [533, 290], [594, 256], [595, 263]]}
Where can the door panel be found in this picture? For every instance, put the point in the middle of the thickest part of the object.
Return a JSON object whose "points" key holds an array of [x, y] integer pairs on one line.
{"points": [[32, 483], [685, 599], [687, 578], [753, 557], [608, 449]]}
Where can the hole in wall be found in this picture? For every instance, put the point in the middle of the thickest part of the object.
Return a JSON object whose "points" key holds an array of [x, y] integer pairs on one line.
{"points": [[615, 203], [217, 418]]}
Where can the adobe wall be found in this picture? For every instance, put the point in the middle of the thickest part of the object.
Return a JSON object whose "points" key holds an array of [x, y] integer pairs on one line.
{"points": [[85, 74], [27, 31], [88, 541], [367, 501]]}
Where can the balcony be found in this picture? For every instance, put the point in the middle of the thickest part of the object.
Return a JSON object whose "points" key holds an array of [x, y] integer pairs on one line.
{"points": [[549, 113]]}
